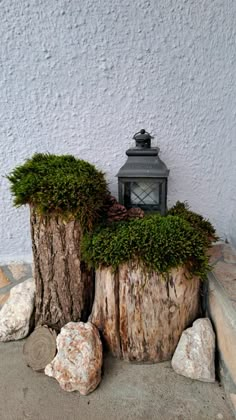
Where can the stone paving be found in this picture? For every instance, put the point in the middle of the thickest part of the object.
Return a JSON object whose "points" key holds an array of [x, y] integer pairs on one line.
{"points": [[11, 275]]}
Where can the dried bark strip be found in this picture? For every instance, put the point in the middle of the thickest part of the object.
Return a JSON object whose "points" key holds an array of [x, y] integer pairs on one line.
{"points": [[105, 312], [64, 286], [140, 316]]}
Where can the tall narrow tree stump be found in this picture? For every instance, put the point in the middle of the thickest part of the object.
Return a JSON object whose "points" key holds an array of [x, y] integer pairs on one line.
{"points": [[141, 316], [64, 286]]}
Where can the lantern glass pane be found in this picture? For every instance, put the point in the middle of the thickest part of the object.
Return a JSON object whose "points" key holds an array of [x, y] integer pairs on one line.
{"points": [[144, 193]]}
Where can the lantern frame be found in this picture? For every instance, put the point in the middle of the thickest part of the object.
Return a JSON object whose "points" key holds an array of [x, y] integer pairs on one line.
{"points": [[143, 179]]}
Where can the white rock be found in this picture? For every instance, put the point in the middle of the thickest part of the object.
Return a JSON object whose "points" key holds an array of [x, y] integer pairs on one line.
{"points": [[77, 365], [15, 315], [194, 356]]}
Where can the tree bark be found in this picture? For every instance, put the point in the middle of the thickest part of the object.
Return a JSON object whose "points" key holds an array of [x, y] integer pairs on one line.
{"points": [[141, 316], [64, 286]]}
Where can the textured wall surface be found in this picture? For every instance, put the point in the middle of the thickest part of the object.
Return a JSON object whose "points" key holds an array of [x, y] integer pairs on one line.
{"points": [[81, 76]]}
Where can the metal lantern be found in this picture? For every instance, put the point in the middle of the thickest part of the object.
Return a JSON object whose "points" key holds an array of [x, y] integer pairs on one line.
{"points": [[142, 180]]}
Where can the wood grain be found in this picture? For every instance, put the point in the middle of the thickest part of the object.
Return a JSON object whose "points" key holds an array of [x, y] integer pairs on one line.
{"points": [[141, 316]]}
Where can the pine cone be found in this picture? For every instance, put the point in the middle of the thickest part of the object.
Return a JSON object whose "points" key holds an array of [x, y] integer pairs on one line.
{"points": [[116, 213], [112, 200], [135, 213], [109, 201]]}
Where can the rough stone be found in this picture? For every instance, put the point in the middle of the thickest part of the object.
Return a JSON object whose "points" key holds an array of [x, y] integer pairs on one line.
{"points": [[194, 356], [77, 365], [19, 270], [16, 314]]}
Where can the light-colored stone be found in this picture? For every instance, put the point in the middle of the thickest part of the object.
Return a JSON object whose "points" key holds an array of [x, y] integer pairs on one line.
{"points": [[16, 314], [18, 270], [194, 356], [3, 279], [77, 365]]}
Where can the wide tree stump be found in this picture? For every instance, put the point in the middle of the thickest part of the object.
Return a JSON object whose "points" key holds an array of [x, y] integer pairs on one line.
{"points": [[141, 316], [64, 286]]}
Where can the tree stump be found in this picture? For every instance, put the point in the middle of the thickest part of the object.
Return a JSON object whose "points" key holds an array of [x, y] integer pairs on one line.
{"points": [[141, 316], [64, 286]]}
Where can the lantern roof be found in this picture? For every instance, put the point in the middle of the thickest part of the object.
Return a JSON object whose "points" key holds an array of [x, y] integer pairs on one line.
{"points": [[143, 160]]}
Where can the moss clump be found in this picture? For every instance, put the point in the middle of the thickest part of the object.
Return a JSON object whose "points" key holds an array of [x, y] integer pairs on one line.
{"points": [[196, 220], [158, 243], [61, 185]]}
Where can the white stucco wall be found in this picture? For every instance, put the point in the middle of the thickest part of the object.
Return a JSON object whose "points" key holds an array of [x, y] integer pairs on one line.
{"points": [[81, 76]]}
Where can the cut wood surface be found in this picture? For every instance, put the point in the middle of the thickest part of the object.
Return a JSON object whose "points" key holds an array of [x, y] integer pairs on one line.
{"points": [[40, 348], [64, 286], [141, 316]]}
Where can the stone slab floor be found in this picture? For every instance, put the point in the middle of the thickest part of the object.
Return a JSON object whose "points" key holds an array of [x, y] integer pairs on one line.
{"points": [[127, 391]]}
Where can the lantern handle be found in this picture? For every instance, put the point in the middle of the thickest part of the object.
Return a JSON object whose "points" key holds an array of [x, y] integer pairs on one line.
{"points": [[142, 131]]}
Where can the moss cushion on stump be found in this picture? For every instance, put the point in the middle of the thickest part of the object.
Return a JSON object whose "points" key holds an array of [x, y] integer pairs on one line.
{"points": [[147, 284], [66, 196]]}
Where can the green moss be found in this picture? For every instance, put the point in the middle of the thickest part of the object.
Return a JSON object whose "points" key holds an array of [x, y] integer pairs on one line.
{"points": [[60, 184], [158, 243], [196, 220], [74, 188]]}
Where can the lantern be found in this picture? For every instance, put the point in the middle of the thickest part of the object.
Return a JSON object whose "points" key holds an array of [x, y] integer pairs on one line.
{"points": [[142, 180]]}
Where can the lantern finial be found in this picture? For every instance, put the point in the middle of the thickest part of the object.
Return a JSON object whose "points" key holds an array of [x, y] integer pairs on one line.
{"points": [[143, 139]]}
